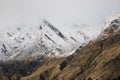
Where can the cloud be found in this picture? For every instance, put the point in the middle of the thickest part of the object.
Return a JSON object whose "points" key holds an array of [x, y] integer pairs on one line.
{"points": [[91, 12]]}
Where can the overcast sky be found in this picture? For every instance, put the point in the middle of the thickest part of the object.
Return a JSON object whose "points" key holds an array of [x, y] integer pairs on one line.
{"points": [[58, 12]]}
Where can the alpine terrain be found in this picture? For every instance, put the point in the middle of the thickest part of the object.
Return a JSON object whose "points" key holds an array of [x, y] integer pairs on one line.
{"points": [[44, 52], [43, 39]]}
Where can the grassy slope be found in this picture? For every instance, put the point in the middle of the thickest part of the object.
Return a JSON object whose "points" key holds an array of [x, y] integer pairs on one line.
{"points": [[98, 60]]}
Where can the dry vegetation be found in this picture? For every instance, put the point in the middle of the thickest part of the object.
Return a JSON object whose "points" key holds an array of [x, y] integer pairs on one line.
{"points": [[99, 60]]}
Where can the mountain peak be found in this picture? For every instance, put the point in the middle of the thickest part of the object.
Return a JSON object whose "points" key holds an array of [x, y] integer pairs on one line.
{"points": [[41, 39], [113, 25], [111, 28]]}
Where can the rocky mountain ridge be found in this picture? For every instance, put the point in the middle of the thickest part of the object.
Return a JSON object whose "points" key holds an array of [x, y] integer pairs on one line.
{"points": [[42, 39]]}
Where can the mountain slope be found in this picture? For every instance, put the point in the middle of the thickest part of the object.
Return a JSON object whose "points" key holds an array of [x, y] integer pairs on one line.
{"points": [[99, 60]]}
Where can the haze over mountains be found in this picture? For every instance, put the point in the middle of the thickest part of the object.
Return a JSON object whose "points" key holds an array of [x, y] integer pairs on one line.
{"points": [[74, 23], [43, 39], [59, 40], [98, 60]]}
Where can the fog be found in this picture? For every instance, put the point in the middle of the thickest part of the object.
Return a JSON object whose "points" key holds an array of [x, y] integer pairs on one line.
{"points": [[58, 12]]}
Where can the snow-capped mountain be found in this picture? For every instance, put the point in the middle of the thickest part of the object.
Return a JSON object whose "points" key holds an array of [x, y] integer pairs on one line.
{"points": [[111, 28], [42, 39]]}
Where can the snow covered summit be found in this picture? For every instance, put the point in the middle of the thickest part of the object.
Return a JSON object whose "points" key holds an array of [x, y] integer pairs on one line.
{"points": [[26, 41]]}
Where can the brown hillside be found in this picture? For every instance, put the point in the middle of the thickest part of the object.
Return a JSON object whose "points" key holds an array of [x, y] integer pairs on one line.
{"points": [[99, 60]]}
